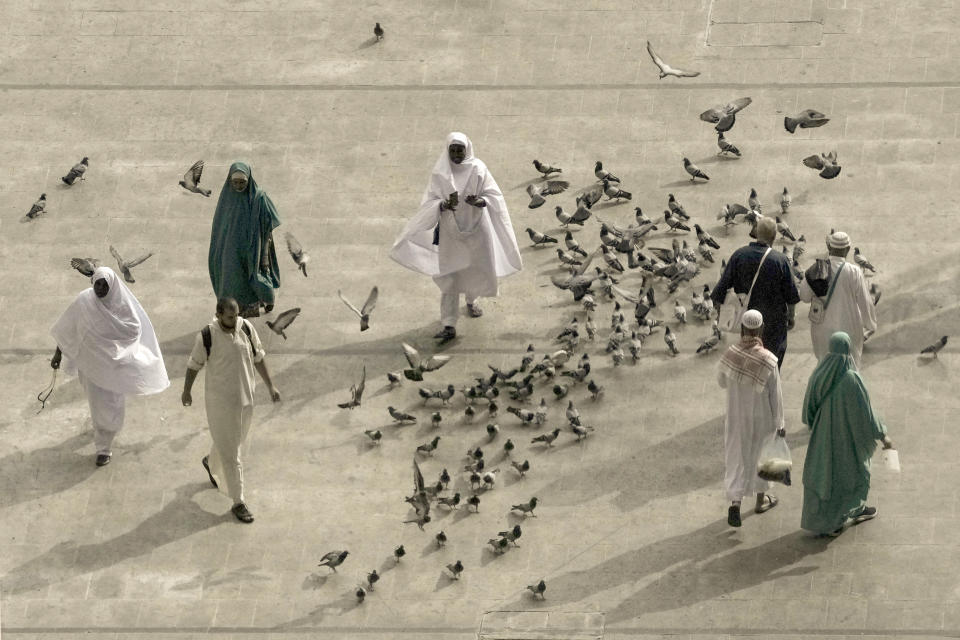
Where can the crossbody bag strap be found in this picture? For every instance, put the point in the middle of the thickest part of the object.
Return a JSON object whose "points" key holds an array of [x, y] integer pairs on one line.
{"points": [[746, 303], [832, 285]]}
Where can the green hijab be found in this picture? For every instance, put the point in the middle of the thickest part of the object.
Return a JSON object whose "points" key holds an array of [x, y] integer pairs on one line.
{"points": [[239, 236]]}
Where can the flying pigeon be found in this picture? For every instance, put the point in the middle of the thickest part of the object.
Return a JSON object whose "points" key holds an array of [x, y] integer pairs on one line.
{"points": [[364, 313], [125, 265], [419, 365], [667, 70], [806, 119], [296, 252], [283, 321], [694, 170], [356, 392], [86, 266], [825, 163], [191, 179], [537, 191], [546, 170], [785, 201], [76, 172], [724, 116]]}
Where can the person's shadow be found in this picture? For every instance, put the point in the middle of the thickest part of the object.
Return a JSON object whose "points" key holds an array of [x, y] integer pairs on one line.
{"points": [[179, 518], [35, 473]]}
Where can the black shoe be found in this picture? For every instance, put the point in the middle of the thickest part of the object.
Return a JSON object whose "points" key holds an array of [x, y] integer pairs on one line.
{"points": [[868, 513], [206, 465], [268, 308], [243, 514], [474, 310], [448, 334], [733, 516], [103, 459]]}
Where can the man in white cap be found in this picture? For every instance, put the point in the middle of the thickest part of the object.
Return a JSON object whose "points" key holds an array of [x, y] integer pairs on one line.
{"points": [[751, 377], [840, 299], [110, 344], [462, 235]]}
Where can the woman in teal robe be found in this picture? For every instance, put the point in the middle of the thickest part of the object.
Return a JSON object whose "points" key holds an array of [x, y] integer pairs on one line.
{"points": [[844, 434], [242, 259]]}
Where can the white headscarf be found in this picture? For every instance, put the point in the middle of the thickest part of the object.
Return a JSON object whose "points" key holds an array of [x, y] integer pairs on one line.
{"points": [[414, 248], [111, 340]]}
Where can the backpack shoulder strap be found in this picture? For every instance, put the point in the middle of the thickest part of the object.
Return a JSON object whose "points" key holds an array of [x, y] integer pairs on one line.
{"points": [[207, 338], [246, 330]]}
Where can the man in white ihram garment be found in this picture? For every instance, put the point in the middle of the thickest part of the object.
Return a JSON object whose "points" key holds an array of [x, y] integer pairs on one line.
{"points": [[850, 308], [461, 235], [751, 377], [234, 352], [110, 344]]}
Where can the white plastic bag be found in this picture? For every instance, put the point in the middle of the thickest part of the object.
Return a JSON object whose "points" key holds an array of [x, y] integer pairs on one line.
{"points": [[891, 459], [775, 462]]}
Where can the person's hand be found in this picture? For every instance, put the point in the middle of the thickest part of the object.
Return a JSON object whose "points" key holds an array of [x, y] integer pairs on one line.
{"points": [[55, 362], [791, 323], [186, 398], [887, 442], [274, 394], [782, 432], [474, 201]]}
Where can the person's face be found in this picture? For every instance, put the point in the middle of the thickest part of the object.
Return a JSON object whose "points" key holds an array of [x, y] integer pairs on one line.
{"points": [[238, 181], [228, 319], [100, 287], [457, 152]]}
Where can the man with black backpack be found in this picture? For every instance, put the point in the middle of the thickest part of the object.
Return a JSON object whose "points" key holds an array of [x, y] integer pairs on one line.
{"points": [[231, 356]]}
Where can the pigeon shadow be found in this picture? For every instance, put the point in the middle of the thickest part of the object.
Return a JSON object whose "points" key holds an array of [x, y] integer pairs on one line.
{"points": [[717, 159], [443, 581], [32, 474], [680, 183], [314, 581], [341, 605], [366, 44], [524, 185], [489, 555], [180, 518], [431, 548]]}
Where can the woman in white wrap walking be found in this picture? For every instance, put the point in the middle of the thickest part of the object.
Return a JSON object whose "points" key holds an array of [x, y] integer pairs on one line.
{"points": [[462, 235], [110, 344]]}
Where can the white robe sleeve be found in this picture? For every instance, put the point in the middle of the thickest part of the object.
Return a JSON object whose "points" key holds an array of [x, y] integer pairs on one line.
{"points": [[198, 357], [775, 397], [868, 312], [806, 293]]}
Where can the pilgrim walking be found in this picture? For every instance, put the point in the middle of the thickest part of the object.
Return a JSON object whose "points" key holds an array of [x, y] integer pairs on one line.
{"points": [[110, 344], [231, 349], [465, 245], [242, 258], [751, 377]]}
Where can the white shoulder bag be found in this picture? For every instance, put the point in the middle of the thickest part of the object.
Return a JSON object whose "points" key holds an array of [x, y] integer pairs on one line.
{"points": [[731, 312]]}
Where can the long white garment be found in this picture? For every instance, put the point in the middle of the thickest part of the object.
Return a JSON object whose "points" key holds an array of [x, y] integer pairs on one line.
{"points": [[476, 245], [850, 310], [111, 340], [751, 417], [228, 395], [107, 410]]}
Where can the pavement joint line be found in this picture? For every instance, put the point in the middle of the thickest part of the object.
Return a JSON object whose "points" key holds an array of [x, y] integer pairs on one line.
{"points": [[484, 87]]}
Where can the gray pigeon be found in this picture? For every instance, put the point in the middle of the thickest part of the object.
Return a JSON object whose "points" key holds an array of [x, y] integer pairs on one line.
{"points": [[76, 172], [363, 313], [546, 169], [726, 147], [694, 170], [667, 70], [724, 116], [86, 266], [126, 265], [191, 179], [537, 191], [38, 207], [825, 163], [283, 321], [296, 252], [806, 119]]}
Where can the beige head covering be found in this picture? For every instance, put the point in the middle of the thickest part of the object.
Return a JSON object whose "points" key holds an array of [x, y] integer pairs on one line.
{"points": [[838, 240]]}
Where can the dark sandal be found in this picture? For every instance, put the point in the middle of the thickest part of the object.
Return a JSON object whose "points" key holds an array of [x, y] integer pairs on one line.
{"points": [[769, 502], [868, 513], [206, 465], [242, 513], [733, 516]]}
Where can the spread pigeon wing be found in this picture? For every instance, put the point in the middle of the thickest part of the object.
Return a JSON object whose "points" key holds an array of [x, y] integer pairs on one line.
{"points": [[814, 162], [192, 176], [737, 105], [554, 187], [284, 319], [371, 301], [358, 390], [626, 295], [137, 261], [296, 251], [355, 310], [435, 362], [417, 478], [116, 254], [85, 266], [657, 60], [412, 355]]}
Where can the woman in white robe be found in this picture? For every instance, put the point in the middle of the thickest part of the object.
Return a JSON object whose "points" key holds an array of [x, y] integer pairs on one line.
{"points": [[110, 344], [465, 242]]}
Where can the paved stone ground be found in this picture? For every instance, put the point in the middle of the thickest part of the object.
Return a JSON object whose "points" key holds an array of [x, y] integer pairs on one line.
{"points": [[342, 133]]}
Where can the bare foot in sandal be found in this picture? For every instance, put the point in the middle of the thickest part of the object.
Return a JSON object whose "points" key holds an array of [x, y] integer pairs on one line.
{"points": [[765, 502]]}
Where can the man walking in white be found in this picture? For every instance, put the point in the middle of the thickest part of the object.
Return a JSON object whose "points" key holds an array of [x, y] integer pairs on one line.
{"points": [[461, 235], [847, 308], [751, 377], [234, 352], [110, 343]]}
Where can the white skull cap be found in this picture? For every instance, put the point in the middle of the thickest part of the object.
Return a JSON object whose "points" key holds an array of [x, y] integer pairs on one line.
{"points": [[752, 319]]}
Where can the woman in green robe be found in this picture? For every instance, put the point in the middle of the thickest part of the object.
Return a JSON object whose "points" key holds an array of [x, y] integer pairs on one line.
{"points": [[242, 259], [844, 434]]}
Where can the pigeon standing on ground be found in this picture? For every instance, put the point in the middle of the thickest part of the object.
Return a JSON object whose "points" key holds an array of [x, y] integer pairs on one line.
{"points": [[726, 147], [364, 313], [694, 170], [333, 559], [806, 119], [377, 32], [667, 70], [38, 207], [671, 341], [296, 252], [753, 201], [76, 172], [125, 265], [191, 179], [602, 174], [540, 238], [283, 321], [400, 416], [615, 192], [527, 507], [935, 347], [455, 569], [546, 169], [538, 589]]}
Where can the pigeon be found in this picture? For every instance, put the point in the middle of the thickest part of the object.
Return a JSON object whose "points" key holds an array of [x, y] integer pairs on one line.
{"points": [[490, 478], [679, 312], [418, 365], [572, 244], [581, 431], [296, 252], [125, 265], [455, 569], [333, 559], [567, 258], [445, 477], [671, 341], [603, 175], [561, 390], [429, 447], [825, 163], [709, 343], [378, 32], [580, 216], [729, 213], [667, 70], [592, 195], [784, 229], [38, 207], [526, 417], [935, 347], [372, 579], [615, 192], [527, 507], [785, 201], [862, 261], [521, 468], [753, 201], [508, 446], [435, 419], [474, 501], [611, 259], [451, 502], [595, 390], [539, 238], [694, 170], [76, 172], [674, 223], [441, 539], [492, 431], [374, 435], [875, 293], [399, 552], [191, 179], [364, 313], [537, 191], [283, 321], [356, 392], [546, 438], [726, 147], [540, 415], [545, 169], [724, 116], [572, 414], [86, 266], [393, 379], [705, 238], [400, 416], [540, 587], [676, 208], [806, 119], [469, 412], [499, 545]]}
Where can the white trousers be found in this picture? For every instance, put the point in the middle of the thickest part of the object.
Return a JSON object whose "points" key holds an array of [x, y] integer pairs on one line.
{"points": [[106, 413], [450, 307], [229, 426]]}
